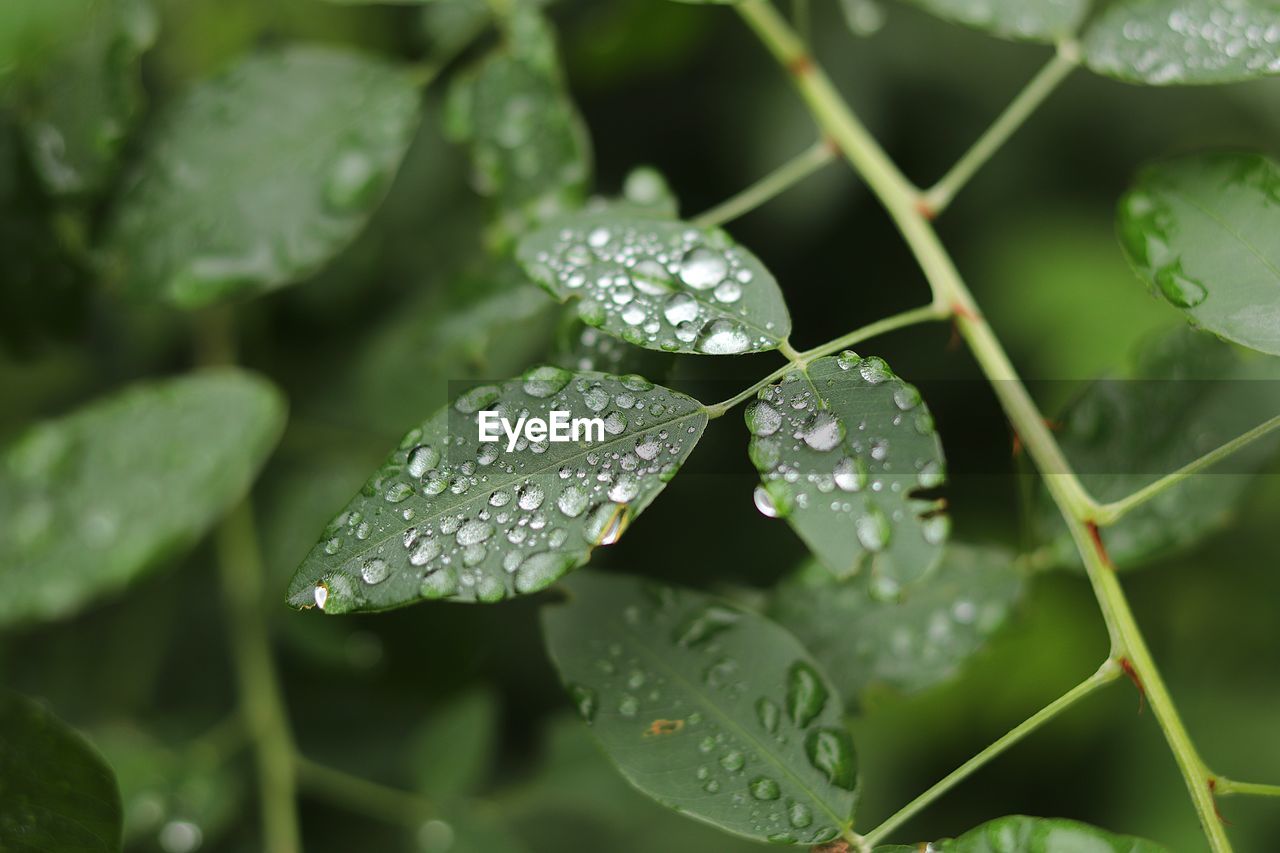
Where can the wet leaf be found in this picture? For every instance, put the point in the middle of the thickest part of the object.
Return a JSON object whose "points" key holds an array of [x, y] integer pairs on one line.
{"points": [[256, 177], [1033, 20], [529, 146], [1179, 42], [844, 449], [659, 283], [1201, 231], [711, 710], [78, 95], [1019, 834], [450, 517], [56, 792], [912, 644], [1188, 394], [92, 499]]}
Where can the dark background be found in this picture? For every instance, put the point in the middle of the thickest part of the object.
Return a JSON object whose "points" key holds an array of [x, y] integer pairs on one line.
{"points": [[687, 90]]}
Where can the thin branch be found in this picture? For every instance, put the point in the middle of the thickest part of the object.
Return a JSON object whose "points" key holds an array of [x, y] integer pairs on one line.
{"points": [[1106, 674], [1112, 512], [360, 795], [1226, 787], [770, 186], [939, 197]]}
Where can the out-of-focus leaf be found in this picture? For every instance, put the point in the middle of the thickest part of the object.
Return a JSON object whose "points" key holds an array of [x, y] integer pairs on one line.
{"points": [[448, 516], [711, 710], [169, 795], [1020, 834], [1034, 20], [256, 177], [56, 792], [78, 96], [529, 147], [450, 24], [911, 644], [453, 751], [844, 448], [1178, 42], [659, 283], [92, 499], [1188, 394], [1201, 231]]}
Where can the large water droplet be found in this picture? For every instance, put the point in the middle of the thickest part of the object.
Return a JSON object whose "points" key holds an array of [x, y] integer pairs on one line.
{"points": [[823, 431], [831, 752], [572, 501], [584, 698], [703, 268], [806, 694], [723, 337], [873, 528], [540, 570], [546, 380], [374, 571], [422, 459], [764, 788], [680, 308], [704, 625]]}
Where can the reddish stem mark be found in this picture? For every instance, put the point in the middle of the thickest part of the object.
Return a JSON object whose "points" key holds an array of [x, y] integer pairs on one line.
{"points": [[1098, 545], [1127, 666], [800, 65], [833, 146], [1213, 788], [926, 210]]}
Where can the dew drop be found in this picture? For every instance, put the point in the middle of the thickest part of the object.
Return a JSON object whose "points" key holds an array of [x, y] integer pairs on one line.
{"points": [[806, 694], [703, 268], [764, 788]]}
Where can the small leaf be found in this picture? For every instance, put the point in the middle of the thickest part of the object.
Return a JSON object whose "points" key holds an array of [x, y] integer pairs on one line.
{"points": [[713, 711], [1032, 20], [912, 644], [56, 792], [529, 146], [844, 449], [1189, 394], [1201, 231], [659, 283], [1177, 42], [92, 499], [77, 97], [450, 517], [1019, 834], [257, 177]]}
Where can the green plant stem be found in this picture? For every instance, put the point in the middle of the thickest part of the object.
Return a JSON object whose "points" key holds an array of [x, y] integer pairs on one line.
{"points": [[1223, 785], [360, 795], [904, 205], [261, 701], [1106, 674], [939, 197], [1110, 513], [797, 360], [770, 186]]}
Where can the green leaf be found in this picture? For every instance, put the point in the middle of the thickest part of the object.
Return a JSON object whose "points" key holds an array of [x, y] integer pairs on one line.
{"points": [[450, 517], [257, 177], [711, 710], [529, 146], [1019, 834], [912, 644], [1180, 42], [1201, 231], [56, 792], [1188, 394], [77, 97], [844, 448], [1033, 20], [92, 499], [659, 283]]}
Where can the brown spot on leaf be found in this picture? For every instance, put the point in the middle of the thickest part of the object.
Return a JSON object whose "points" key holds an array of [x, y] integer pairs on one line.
{"points": [[658, 728]]}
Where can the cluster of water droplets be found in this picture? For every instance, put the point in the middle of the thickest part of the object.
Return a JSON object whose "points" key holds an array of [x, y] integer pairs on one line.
{"points": [[862, 469], [1196, 39], [658, 284], [787, 711], [449, 516], [1014, 17], [1148, 225]]}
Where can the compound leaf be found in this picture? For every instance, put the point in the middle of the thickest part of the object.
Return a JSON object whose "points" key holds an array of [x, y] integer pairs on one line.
{"points": [[448, 516], [711, 710], [1201, 231], [56, 792], [843, 448], [912, 644], [257, 177], [1020, 834], [1180, 42], [1188, 394], [92, 499], [659, 283], [1033, 20]]}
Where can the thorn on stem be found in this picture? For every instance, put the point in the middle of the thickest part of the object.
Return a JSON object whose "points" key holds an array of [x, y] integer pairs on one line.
{"points": [[1129, 670]]}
